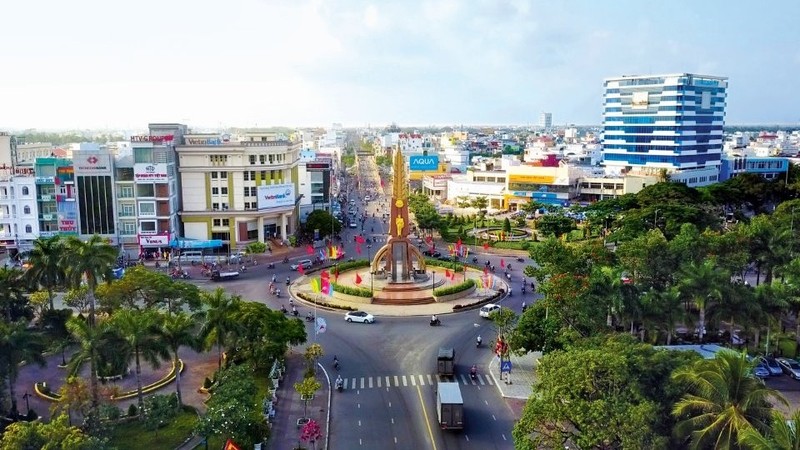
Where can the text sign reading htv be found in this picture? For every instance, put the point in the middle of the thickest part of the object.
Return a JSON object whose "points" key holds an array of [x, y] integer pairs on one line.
{"points": [[423, 162]]}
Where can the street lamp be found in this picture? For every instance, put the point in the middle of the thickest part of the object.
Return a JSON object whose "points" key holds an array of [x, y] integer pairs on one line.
{"points": [[655, 218], [26, 397], [433, 279]]}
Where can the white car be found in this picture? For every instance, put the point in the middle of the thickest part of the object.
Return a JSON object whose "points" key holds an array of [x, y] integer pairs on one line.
{"points": [[486, 310], [306, 263], [359, 316]]}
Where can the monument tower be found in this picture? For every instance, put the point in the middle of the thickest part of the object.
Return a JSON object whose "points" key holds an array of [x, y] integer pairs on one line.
{"points": [[398, 254]]}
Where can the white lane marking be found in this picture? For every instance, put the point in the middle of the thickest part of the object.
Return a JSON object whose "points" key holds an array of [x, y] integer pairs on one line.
{"points": [[421, 381], [413, 380], [480, 379], [504, 437], [430, 380], [370, 382], [362, 382], [387, 382], [353, 383], [466, 437], [489, 380], [396, 381], [345, 383], [405, 381], [493, 417], [390, 404], [463, 379], [359, 422]]}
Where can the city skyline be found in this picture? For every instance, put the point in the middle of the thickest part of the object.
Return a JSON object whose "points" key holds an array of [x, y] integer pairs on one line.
{"points": [[249, 63]]}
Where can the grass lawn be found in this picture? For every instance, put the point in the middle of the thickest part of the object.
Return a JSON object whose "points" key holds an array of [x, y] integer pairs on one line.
{"points": [[133, 435]]}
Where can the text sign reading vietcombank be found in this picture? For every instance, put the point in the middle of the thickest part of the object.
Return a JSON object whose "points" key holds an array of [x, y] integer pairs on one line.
{"points": [[274, 195], [423, 162]]}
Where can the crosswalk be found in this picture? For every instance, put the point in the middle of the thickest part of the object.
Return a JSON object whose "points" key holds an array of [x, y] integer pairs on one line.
{"points": [[400, 381]]}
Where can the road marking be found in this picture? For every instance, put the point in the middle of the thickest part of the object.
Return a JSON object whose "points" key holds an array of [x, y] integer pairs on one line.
{"points": [[427, 421], [392, 420], [362, 382], [387, 382], [463, 379], [430, 379], [390, 404], [493, 417], [405, 382], [370, 382], [421, 381], [379, 381], [396, 381], [480, 378], [344, 385], [359, 422], [504, 437], [413, 380], [353, 383], [489, 380], [466, 436]]}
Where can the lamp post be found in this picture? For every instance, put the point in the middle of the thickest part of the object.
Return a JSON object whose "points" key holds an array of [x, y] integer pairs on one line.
{"points": [[433, 279], [26, 397], [655, 218]]}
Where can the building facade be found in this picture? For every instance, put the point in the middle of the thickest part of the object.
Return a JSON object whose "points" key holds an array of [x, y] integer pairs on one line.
{"points": [[546, 120], [671, 122], [93, 167], [238, 190], [56, 196], [18, 210]]}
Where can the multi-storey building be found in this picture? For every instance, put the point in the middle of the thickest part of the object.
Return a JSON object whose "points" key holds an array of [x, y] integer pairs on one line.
{"points": [[671, 122], [546, 120], [94, 179], [56, 197], [238, 191], [18, 224]]}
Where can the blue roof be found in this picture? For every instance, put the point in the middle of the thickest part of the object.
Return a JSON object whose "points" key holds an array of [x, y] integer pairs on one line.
{"points": [[186, 243], [707, 351]]}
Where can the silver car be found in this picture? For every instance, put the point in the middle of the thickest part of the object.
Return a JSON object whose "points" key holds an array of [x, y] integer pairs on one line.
{"points": [[771, 364], [790, 367]]}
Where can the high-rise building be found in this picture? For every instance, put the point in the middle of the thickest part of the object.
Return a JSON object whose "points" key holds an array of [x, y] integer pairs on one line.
{"points": [[672, 122], [546, 120], [93, 170]]}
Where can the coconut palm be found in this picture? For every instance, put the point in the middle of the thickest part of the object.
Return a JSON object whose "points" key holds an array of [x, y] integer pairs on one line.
{"points": [[177, 330], [90, 339], [703, 283], [140, 328], [781, 435], [17, 344], [664, 309], [90, 261], [46, 268], [219, 320], [11, 292], [724, 399]]}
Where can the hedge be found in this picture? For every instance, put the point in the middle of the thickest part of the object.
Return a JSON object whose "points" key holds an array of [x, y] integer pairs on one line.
{"points": [[454, 266], [453, 289], [349, 265], [311, 299], [349, 290]]}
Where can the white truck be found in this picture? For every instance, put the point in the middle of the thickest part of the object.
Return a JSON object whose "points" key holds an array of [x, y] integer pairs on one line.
{"points": [[449, 406]]}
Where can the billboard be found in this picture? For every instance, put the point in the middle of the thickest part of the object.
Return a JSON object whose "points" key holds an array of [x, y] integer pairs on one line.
{"points": [[423, 162], [150, 172], [275, 195], [90, 163], [156, 240]]}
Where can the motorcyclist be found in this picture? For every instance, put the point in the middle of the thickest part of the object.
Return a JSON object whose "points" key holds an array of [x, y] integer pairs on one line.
{"points": [[524, 306], [478, 340], [309, 317], [473, 371], [274, 278], [434, 319], [288, 281], [283, 309], [339, 382]]}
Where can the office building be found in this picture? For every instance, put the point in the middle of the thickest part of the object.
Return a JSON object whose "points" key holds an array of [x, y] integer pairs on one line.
{"points": [[546, 120], [671, 122]]}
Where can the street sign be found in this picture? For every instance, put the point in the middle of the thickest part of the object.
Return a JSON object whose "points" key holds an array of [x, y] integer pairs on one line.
{"points": [[505, 366]]}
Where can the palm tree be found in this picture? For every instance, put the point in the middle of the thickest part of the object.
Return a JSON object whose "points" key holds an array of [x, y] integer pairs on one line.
{"points": [[140, 328], [91, 261], [664, 309], [703, 283], [11, 291], [177, 330], [219, 319], [17, 344], [90, 339], [724, 399], [781, 435], [46, 268]]}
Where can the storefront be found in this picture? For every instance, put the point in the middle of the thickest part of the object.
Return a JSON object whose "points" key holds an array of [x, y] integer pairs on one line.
{"points": [[154, 246]]}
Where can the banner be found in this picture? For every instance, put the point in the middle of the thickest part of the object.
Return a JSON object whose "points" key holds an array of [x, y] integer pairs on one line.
{"points": [[150, 172], [275, 195], [423, 162]]}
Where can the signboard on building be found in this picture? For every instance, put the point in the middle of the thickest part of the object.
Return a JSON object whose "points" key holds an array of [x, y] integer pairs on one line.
{"points": [[165, 138], [65, 174], [435, 181], [204, 141], [143, 172], [423, 162], [67, 216], [90, 164], [275, 195], [532, 179], [156, 240], [67, 226], [318, 166]]}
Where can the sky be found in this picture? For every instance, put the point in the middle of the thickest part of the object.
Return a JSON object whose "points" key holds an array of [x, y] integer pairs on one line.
{"points": [[96, 64]]}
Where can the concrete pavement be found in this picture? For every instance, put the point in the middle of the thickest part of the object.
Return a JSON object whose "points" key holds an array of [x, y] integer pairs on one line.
{"points": [[517, 384]]}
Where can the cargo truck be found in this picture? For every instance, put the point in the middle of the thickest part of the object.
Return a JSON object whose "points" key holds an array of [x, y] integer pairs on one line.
{"points": [[449, 406], [445, 362]]}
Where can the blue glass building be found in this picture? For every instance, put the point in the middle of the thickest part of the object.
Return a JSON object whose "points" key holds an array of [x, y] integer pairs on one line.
{"points": [[671, 122]]}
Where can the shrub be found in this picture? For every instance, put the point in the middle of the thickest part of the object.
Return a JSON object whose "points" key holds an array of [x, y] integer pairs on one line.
{"points": [[454, 266], [110, 412], [349, 265], [454, 289], [133, 410], [349, 290], [311, 299]]}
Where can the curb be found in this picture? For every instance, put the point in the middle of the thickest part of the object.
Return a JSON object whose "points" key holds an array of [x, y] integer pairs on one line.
{"points": [[328, 412]]}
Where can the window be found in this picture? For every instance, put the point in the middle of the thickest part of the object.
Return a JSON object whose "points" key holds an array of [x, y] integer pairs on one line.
{"points": [[252, 159], [221, 236], [223, 191], [127, 210], [272, 159], [147, 208], [246, 175], [26, 210], [226, 222], [128, 228], [145, 190], [263, 159], [223, 175], [25, 190], [215, 206], [148, 226], [224, 206], [214, 175], [143, 155], [214, 191], [28, 229], [125, 191]]}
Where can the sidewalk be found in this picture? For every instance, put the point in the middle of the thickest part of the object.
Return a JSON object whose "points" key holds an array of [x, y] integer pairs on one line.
{"points": [[284, 433], [522, 376]]}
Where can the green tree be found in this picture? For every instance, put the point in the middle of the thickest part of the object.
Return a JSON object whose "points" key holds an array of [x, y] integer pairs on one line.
{"points": [[537, 330], [77, 298], [177, 330], [12, 294], [141, 330], [256, 248], [90, 340], [664, 310], [73, 396], [158, 410], [306, 389], [46, 268], [481, 203], [264, 334], [555, 225], [507, 225], [724, 399], [782, 434], [90, 261], [704, 284], [219, 320], [324, 222], [53, 435], [17, 344]]}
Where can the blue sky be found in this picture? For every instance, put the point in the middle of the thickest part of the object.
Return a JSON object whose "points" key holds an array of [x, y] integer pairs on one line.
{"points": [[210, 63]]}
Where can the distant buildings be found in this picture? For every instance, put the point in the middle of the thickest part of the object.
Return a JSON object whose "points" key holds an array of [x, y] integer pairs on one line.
{"points": [[672, 122], [546, 120]]}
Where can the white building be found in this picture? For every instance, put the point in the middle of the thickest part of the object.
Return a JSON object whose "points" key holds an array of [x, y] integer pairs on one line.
{"points": [[19, 214], [546, 120]]}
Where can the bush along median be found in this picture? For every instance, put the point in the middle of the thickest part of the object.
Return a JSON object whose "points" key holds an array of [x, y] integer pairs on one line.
{"points": [[454, 266], [454, 289], [349, 290], [312, 299]]}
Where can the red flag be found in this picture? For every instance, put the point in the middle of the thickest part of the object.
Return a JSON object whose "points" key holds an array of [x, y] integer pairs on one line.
{"points": [[360, 239], [486, 270], [309, 249], [458, 244], [324, 274], [301, 269], [447, 274], [358, 249], [502, 262], [428, 239], [230, 445], [486, 246], [381, 182], [358, 279]]}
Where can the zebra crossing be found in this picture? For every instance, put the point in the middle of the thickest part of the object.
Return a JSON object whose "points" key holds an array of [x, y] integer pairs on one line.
{"points": [[400, 381]]}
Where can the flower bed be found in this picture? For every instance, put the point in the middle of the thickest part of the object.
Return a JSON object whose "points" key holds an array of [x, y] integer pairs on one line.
{"points": [[454, 289]]}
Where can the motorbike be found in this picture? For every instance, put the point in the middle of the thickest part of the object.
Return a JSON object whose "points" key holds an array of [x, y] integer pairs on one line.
{"points": [[339, 385], [478, 342], [336, 364], [286, 260], [283, 309], [309, 318], [520, 259], [243, 268], [473, 372], [474, 260], [295, 313], [436, 322], [271, 266]]}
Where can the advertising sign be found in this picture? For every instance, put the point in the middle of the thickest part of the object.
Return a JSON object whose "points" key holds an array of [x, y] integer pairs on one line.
{"points": [[423, 162], [156, 240], [150, 172], [91, 163], [65, 174], [168, 138], [275, 195], [532, 179], [67, 226]]}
